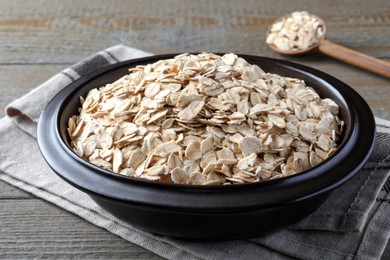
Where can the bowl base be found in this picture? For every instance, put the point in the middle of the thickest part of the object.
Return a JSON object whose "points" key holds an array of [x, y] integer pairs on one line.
{"points": [[211, 225]]}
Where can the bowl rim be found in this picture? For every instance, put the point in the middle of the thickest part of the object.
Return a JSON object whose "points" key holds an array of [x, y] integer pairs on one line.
{"points": [[52, 145]]}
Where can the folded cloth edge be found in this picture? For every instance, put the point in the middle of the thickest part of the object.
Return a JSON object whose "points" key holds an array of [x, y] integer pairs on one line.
{"points": [[25, 115]]}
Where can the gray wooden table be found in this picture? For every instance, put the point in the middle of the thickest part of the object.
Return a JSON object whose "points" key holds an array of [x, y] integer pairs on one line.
{"points": [[39, 38]]}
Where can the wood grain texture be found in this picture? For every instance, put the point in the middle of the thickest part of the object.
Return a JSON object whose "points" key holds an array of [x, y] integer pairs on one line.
{"points": [[9, 192], [355, 58], [63, 31], [18, 79], [41, 37], [45, 231]]}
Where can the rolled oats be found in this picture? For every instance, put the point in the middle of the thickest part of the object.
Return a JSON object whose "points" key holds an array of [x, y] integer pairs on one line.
{"points": [[295, 32], [205, 120]]}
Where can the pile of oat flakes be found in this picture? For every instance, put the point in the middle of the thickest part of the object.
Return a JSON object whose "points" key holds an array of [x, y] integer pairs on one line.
{"points": [[295, 32], [205, 119]]}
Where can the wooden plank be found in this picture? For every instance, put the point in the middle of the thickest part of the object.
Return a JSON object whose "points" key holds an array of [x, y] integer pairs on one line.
{"points": [[8, 191], [67, 30], [17, 80], [36, 229]]}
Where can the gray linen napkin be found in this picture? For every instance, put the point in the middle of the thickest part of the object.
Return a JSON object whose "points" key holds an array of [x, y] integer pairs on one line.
{"points": [[351, 224]]}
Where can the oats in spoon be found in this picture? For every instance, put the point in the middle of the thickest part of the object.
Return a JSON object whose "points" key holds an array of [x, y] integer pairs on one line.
{"points": [[295, 32]]}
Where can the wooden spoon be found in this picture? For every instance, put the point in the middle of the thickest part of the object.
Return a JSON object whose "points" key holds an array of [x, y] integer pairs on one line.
{"points": [[329, 48]]}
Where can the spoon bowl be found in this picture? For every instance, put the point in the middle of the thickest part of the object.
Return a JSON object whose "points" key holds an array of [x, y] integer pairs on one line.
{"points": [[296, 52]]}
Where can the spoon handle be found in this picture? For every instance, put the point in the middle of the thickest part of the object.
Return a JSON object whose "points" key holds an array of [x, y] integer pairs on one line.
{"points": [[358, 59]]}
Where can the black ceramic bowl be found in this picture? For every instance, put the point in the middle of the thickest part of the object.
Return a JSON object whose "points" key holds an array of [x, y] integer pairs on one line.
{"points": [[209, 212]]}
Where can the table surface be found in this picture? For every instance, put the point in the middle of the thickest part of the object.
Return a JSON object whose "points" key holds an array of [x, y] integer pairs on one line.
{"points": [[40, 38]]}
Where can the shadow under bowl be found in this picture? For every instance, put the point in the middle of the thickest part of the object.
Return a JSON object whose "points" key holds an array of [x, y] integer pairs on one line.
{"points": [[209, 212]]}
